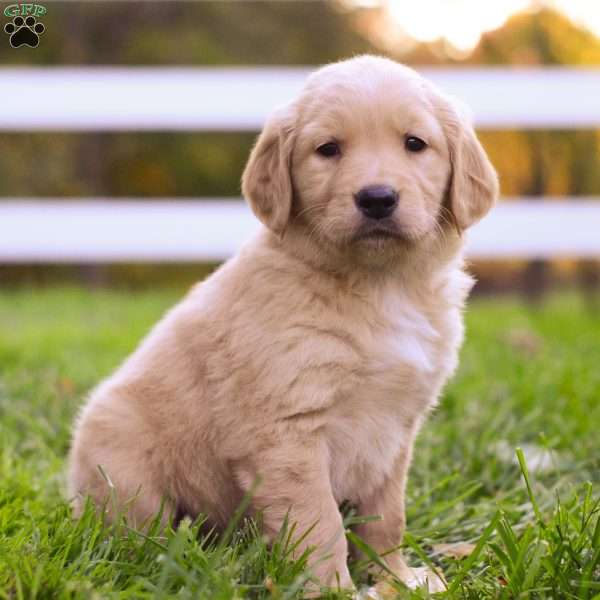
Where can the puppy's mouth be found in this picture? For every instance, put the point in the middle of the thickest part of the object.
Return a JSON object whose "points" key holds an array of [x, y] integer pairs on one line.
{"points": [[377, 232]]}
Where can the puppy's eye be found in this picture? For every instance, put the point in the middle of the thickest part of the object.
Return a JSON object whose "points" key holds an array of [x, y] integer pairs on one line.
{"points": [[414, 144], [329, 149]]}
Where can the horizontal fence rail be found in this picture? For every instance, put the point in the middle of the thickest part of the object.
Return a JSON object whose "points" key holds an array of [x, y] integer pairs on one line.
{"points": [[171, 230], [239, 99]]}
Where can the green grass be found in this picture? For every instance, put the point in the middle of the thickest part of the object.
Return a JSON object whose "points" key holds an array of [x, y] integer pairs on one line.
{"points": [[529, 377]]}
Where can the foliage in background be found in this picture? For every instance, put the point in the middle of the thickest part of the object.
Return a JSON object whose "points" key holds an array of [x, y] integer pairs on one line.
{"points": [[542, 163], [256, 33], [536, 163], [161, 33]]}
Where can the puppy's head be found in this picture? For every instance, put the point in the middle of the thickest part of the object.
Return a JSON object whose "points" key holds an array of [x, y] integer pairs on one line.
{"points": [[370, 158]]}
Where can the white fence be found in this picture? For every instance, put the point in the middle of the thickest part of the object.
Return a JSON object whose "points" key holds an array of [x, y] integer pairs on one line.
{"points": [[236, 99], [225, 99], [95, 230]]}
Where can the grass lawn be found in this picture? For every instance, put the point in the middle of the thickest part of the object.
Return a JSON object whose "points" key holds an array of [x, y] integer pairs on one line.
{"points": [[529, 377]]}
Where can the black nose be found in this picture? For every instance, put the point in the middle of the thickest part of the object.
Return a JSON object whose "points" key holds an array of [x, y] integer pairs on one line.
{"points": [[377, 201]]}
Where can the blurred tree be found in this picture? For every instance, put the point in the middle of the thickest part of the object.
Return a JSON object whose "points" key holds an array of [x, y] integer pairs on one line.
{"points": [[533, 162]]}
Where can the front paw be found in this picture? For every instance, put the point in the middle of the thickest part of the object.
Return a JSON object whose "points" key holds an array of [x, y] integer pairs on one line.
{"points": [[413, 578]]}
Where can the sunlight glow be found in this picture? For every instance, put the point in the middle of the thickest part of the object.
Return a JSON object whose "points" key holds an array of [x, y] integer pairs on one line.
{"points": [[462, 22]]}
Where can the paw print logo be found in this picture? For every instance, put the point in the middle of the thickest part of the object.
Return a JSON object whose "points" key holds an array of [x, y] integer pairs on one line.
{"points": [[24, 32]]}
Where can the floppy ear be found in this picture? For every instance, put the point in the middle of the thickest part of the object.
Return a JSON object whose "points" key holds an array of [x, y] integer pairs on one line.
{"points": [[266, 181], [473, 186]]}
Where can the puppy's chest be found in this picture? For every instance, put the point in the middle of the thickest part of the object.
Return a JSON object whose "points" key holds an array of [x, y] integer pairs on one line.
{"points": [[397, 346], [393, 383]]}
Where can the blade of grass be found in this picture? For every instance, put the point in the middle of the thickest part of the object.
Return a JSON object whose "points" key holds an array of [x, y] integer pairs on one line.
{"points": [[474, 556], [525, 471]]}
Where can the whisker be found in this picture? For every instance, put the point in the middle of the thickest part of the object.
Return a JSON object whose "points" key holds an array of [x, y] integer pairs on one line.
{"points": [[308, 209]]}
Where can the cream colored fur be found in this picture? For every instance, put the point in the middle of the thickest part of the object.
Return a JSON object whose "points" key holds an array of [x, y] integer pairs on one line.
{"points": [[312, 357]]}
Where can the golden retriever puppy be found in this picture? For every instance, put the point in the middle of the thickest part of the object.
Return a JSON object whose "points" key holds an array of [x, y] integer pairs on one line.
{"points": [[308, 361]]}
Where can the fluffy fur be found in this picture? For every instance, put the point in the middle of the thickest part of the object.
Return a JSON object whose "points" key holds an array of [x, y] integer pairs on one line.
{"points": [[311, 358]]}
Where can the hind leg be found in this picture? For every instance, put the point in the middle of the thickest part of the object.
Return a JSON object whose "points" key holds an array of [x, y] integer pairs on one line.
{"points": [[114, 463]]}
